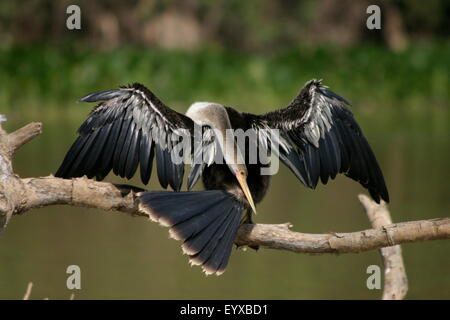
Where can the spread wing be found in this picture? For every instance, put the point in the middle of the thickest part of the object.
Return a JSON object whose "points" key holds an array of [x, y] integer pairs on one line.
{"points": [[128, 128], [323, 139]]}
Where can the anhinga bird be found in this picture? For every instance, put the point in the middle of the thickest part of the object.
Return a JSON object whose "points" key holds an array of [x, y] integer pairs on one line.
{"points": [[318, 139]]}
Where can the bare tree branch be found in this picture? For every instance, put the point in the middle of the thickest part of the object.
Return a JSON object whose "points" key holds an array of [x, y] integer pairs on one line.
{"points": [[19, 137], [395, 280], [20, 195], [280, 237]]}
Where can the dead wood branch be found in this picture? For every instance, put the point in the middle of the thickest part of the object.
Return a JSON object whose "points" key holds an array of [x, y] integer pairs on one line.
{"points": [[395, 280]]}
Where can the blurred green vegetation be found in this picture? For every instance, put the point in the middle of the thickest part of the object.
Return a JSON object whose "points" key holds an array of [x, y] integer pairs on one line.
{"points": [[40, 77]]}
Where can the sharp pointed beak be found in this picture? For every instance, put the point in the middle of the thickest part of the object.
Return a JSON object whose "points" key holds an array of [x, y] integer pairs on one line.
{"points": [[243, 182]]}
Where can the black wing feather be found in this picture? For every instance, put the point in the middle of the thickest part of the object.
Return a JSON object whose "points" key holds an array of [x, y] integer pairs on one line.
{"points": [[125, 149], [122, 132], [325, 161], [120, 146], [318, 126], [146, 156], [161, 166], [92, 163], [334, 152], [106, 160], [71, 156], [77, 166], [313, 160], [133, 155]]}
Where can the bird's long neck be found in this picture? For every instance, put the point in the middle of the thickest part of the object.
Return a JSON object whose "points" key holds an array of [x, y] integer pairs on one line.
{"points": [[216, 116]]}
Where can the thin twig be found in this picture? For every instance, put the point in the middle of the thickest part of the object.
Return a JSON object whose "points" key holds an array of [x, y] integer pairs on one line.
{"points": [[28, 292]]}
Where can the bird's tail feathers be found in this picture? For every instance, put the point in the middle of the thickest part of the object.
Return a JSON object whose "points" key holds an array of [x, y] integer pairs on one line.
{"points": [[206, 222]]}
